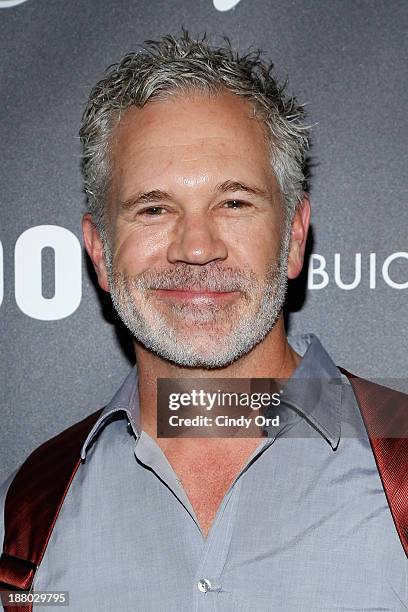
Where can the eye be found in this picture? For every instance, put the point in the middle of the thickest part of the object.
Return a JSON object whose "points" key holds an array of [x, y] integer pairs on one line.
{"points": [[235, 204], [153, 211]]}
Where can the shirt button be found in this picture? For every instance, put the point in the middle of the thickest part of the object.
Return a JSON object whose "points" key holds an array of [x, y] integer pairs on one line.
{"points": [[204, 585]]}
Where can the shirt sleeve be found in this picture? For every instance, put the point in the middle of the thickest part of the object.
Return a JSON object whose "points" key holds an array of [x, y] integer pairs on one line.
{"points": [[4, 487]]}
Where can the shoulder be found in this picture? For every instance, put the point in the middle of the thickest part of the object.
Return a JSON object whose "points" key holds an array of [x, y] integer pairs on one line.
{"points": [[53, 461]]}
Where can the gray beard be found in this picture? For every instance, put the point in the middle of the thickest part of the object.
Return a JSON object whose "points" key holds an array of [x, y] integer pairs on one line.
{"points": [[157, 335]]}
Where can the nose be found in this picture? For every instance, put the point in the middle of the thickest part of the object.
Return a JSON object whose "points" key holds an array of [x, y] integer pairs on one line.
{"points": [[196, 241]]}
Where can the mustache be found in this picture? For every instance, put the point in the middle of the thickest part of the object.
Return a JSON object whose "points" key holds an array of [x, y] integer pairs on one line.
{"points": [[209, 277]]}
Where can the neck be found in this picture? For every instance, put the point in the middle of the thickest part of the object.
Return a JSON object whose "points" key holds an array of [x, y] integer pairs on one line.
{"points": [[271, 358]]}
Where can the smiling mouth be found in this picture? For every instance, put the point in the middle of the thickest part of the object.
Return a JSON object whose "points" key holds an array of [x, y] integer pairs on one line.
{"points": [[199, 296]]}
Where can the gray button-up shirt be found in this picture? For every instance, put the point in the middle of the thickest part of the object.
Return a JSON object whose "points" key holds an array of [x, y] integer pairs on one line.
{"points": [[305, 526]]}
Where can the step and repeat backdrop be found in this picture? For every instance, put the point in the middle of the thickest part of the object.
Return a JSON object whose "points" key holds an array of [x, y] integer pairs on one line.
{"points": [[62, 352]]}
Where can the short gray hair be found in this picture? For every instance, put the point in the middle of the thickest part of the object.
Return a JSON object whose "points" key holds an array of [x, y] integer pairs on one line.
{"points": [[176, 65]]}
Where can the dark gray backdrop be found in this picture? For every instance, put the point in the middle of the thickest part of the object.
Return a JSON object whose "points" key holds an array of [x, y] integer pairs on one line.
{"points": [[345, 58]]}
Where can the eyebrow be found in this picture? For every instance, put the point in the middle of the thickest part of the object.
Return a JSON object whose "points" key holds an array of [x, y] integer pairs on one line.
{"points": [[146, 197], [238, 186], [157, 195]]}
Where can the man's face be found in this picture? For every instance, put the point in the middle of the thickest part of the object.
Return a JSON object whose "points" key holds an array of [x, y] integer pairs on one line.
{"points": [[197, 232]]}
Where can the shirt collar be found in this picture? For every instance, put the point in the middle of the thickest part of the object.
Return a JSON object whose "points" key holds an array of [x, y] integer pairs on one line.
{"points": [[318, 400], [315, 388], [125, 400]]}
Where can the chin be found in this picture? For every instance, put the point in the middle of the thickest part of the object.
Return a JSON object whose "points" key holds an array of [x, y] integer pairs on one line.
{"points": [[201, 361], [204, 352]]}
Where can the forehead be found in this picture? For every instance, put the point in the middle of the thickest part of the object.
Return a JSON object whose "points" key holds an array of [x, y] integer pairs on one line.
{"points": [[189, 134], [188, 119]]}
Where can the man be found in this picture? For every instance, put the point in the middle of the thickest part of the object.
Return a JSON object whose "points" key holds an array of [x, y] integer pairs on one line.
{"points": [[194, 170]]}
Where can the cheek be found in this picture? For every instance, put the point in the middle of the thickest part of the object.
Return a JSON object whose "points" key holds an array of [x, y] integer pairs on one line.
{"points": [[139, 249], [255, 247]]}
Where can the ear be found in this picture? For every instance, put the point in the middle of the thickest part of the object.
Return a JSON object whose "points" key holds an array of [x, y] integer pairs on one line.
{"points": [[300, 226], [94, 248]]}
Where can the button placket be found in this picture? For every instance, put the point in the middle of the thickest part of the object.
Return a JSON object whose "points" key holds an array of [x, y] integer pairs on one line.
{"points": [[208, 577]]}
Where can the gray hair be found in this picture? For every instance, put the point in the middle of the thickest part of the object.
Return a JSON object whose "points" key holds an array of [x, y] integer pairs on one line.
{"points": [[176, 65]]}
